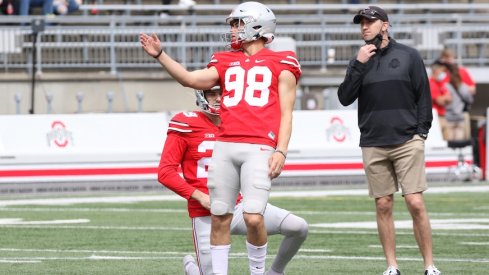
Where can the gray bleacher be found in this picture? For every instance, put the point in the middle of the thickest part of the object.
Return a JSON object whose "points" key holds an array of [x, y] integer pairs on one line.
{"points": [[323, 35], [110, 42]]}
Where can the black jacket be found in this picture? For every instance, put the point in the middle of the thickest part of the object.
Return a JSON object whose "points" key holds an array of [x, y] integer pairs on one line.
{"points": [[393, 91]]}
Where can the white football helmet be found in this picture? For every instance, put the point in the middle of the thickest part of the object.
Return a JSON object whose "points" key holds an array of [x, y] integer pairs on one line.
{"points": [[258, 21], [203, 104]]}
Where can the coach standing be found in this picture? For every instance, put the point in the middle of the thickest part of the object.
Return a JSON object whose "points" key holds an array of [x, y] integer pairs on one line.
{"points": [[394, 116]]}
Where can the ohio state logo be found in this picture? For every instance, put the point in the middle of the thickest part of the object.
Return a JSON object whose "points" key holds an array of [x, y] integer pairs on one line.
{"points": [[337, 131], [58, 135]]}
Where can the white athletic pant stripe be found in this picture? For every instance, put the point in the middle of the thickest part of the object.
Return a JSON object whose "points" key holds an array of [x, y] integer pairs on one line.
{"points": [[196, 245]]}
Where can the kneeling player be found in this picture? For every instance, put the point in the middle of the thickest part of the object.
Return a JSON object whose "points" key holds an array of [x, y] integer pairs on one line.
{"points": [[189, 143]]}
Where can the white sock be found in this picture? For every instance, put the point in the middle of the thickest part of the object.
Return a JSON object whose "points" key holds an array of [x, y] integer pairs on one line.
{"points": [[256, 257], [220, 255]]}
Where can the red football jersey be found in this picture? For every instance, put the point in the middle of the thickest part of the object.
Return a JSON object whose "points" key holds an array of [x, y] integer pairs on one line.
{"points": [[437, 89], [250, 107], [189, 142]]}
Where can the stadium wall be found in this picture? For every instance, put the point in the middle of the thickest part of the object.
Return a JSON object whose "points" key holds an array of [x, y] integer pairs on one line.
{"points": [[88, 152], [160, 93]]}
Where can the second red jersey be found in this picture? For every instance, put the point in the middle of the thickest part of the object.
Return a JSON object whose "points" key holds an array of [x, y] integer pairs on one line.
{"points": [[437, 89], [250, 106], [189, 144]]}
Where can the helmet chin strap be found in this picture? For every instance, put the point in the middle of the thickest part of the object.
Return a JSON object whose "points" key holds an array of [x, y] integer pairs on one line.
{"points": [[236, 45]]}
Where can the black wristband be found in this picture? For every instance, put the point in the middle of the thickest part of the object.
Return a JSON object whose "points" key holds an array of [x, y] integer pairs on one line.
{"points": [[158, 55], [281, 152]]}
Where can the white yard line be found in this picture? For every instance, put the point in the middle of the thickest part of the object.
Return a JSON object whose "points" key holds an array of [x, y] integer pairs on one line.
{"points": [[70, 201], [170, 210], [399, 232], [373, 231], [315, 250], [95, 227], [329, 257], [90, 251], [397, 246], [18, 261], [436, 224], [131, 210], [18, 221], [290, 194], [475, 243], [234, 255]]}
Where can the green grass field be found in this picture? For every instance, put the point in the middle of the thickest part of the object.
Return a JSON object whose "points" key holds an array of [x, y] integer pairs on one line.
{"points": [[152, 236]]}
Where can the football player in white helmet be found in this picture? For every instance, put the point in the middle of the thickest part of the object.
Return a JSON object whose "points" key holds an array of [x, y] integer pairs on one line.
{"points": [[253, 21], [258, 95], [188, 134], [212, 108]]}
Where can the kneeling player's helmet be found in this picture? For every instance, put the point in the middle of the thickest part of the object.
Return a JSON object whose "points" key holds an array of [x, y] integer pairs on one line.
{"points": [[258, 21], [204, 105]]}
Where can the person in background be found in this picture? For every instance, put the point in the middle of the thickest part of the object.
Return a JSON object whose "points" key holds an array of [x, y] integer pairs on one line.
{"points": [[447, 57], [62, 7], [462, 98], [6, 7], [440, 96], [23, 6], [394, 116], [187, 4], [189, 144]]}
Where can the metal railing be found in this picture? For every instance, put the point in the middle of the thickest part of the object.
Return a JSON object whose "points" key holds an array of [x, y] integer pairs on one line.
{"points": [[322, 40]]}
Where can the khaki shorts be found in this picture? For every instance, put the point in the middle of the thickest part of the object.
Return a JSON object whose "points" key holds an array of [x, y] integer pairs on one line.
{"points": [[388, 167]]}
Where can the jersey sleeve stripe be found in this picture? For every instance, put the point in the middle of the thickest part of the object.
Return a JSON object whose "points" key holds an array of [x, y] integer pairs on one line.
{"points": [[293, 58], [179, 130], [178, 123], [291, 63]]}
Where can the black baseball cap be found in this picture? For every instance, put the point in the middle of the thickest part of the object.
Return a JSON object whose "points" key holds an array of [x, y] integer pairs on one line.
{"points": [[371, 13]]}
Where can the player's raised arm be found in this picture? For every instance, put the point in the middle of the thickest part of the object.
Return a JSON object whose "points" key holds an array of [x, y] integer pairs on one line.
{"points": [[199, 79]]}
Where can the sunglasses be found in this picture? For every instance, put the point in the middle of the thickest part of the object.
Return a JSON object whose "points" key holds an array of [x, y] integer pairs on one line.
{"points": [[367, 12]]}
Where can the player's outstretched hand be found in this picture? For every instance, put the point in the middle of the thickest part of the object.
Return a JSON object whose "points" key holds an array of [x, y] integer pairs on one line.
{"points": [[151, 44]]}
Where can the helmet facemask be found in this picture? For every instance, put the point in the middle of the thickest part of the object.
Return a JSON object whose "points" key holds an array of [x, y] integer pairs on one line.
{"points": [[204, 105]]}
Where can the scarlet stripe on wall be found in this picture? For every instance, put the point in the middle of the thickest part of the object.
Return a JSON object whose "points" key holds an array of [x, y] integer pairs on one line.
{"points": [[153, 170], [78, 172]]}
